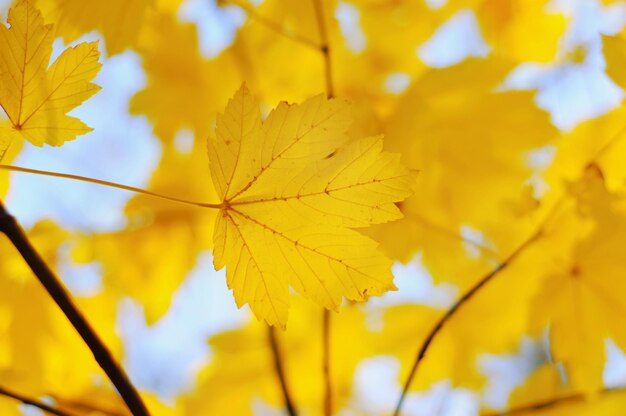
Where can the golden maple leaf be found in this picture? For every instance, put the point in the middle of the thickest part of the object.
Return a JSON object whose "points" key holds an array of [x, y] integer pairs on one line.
{"points": [[292, 187], [119, 21], [34, 97], [582, 301]]}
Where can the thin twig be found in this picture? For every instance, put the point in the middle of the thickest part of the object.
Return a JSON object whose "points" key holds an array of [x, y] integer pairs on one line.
{"points": [[325, 47], [89, 408], [10, 227], [452, 235], [34, 402], [552, 402], [325, 50], [466, 297], [109, 184], [280, 372], [328, 392], [270, 24]]}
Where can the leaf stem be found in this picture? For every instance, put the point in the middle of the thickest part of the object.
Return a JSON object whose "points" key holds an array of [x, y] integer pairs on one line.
{"points": [[110, 185], [421, 353], [280, 372], [10, 227], [34, 402]]}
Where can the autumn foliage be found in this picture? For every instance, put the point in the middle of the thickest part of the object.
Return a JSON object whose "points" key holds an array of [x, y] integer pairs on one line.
{"points": [[401, 218]]}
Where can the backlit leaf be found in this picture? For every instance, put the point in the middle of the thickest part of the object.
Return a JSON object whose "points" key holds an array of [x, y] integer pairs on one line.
{"points": [[34, 97], [292, 187]]}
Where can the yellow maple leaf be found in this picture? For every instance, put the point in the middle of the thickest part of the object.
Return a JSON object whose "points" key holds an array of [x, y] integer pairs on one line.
{"points": [[615, 56], [292, 187], [505, 24], [34, 97], [442, 125], [183, 89], [119, 21], [582, 301]]}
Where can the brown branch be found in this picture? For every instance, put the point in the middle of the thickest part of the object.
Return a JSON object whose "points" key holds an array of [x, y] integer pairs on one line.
{"points": [[466, 297], [328, 391], [280, 372], [325, 47], [450, 312], [34, 402], [325, 50], [552, 402], [270, 24], [443, 231], [10, 227]]}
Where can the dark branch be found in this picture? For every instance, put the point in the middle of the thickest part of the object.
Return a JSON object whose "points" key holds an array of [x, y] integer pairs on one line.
{"points": [[328, 389], [270, 24], [450, 312], [278, 366], [34, 402], [325, 47], [328, 75], [553, 402], [10, 227]]}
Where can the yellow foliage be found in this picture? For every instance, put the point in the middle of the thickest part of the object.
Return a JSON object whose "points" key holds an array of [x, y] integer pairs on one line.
{"points": [[157, 267], [184, 90], [306, 206], [578, 302], [525, 30], [300, 162], [40, 353], [34, 97], [116, 20], [462, 174]]}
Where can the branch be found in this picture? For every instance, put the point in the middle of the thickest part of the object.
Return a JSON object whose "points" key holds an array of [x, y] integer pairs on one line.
{"points": [[278, 366], [553, 402], [443, 231], [34, 402], [270, 24], [325, 47], [466, 297], [10, 227], [328, 391]]}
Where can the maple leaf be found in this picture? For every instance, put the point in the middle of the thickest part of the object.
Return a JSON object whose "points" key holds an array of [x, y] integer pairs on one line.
{"points": [[116, 20], [183, 89], [504, 21], [582, 300], [615, 56], [292, 187], [34, 97]]}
